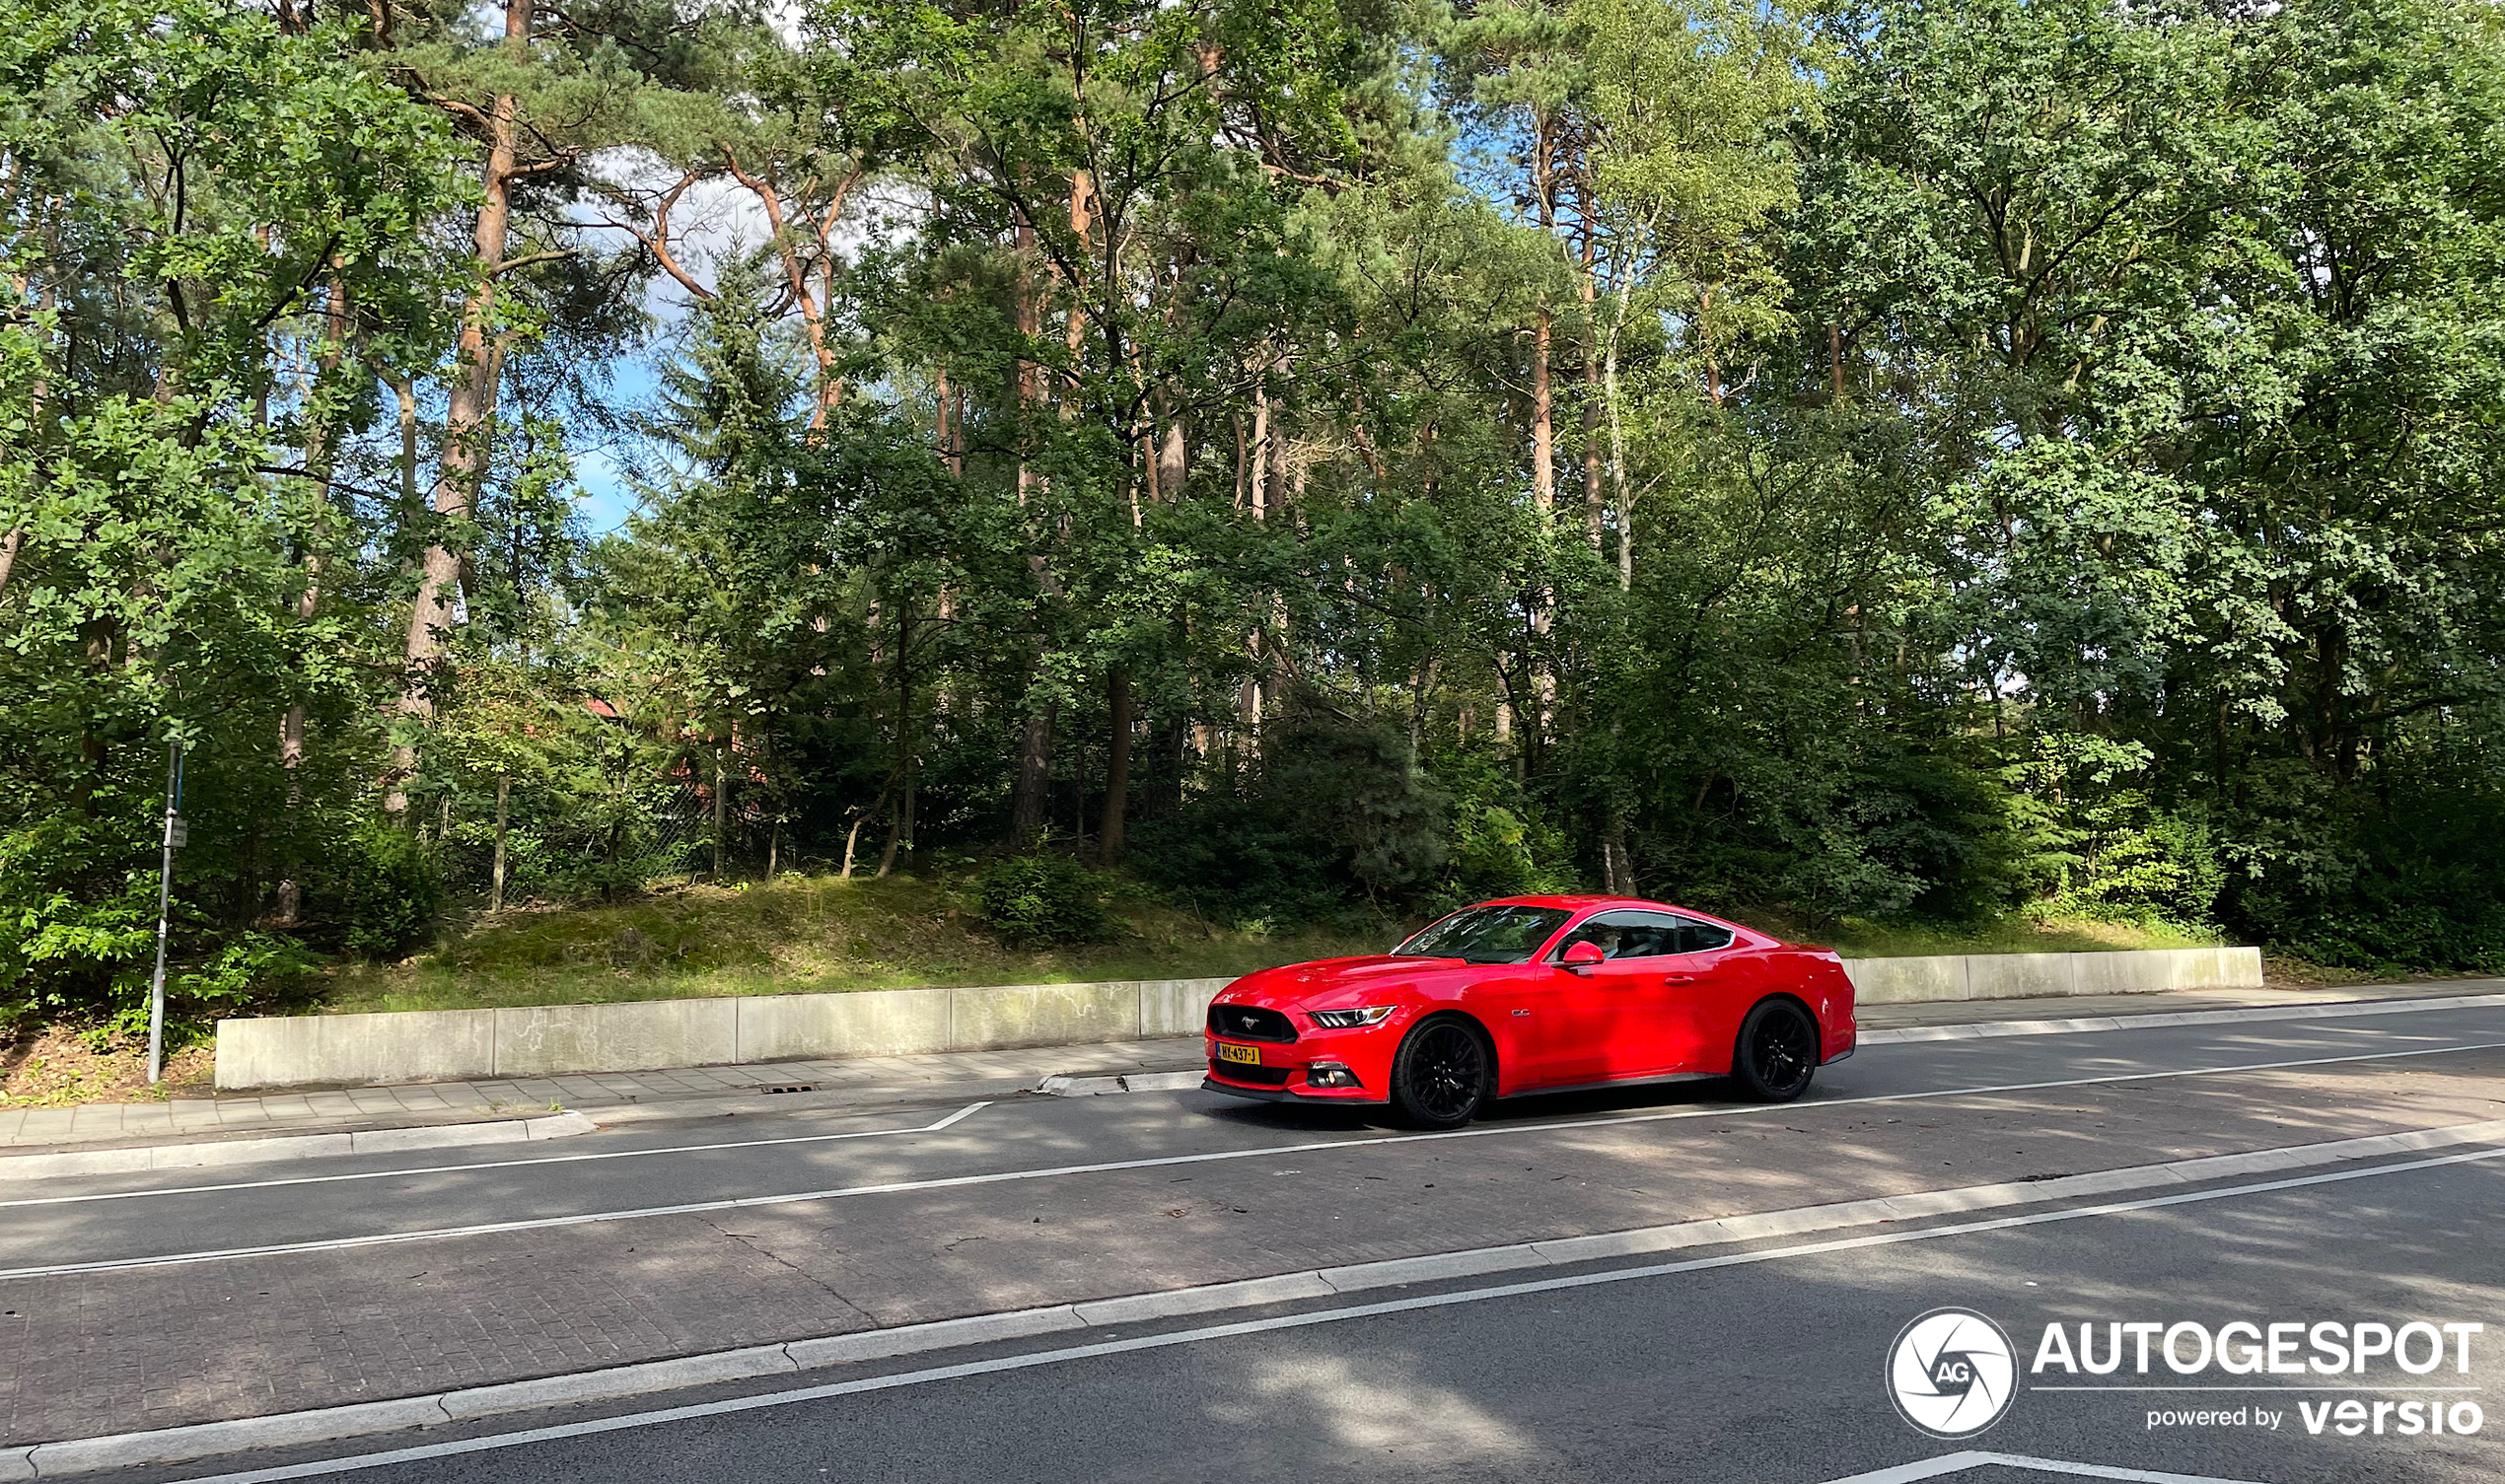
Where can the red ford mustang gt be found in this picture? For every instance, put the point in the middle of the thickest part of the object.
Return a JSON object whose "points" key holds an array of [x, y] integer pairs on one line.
{"points": [[1535, 993]]}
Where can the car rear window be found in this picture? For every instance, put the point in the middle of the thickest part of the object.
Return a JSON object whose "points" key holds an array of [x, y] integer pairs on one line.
{"points": [[1487, 934]]}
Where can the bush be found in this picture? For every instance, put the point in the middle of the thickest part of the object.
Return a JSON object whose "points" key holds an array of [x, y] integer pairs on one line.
{"points": [[78, 918], [377, 897], [1043, 900], [1336, 824], [1240, 859]]}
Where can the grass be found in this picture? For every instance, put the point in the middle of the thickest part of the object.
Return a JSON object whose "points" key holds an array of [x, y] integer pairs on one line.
{"points": [[799, 934], [812, 934]]}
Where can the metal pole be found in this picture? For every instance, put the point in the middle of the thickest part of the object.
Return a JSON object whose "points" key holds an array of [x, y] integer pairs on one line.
{"points": [[164, 905]]}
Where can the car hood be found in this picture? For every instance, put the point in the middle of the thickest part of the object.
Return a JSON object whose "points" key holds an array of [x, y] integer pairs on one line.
{"points": [[1331, 982]]}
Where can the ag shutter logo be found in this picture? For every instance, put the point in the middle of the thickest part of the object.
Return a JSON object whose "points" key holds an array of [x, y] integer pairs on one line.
{"points": [[1952, 1373]]}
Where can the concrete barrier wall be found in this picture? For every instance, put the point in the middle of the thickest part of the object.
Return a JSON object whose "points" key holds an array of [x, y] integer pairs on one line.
{"points": [[2009, 976], [542, 1040]]}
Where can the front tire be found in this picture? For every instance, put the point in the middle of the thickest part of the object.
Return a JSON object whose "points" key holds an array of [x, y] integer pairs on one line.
{"points": [[1441, 1076], [1777, 1052]]}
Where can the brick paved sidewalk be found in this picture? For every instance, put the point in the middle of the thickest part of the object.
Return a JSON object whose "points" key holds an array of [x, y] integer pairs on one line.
{"points": [[973, 1073]]}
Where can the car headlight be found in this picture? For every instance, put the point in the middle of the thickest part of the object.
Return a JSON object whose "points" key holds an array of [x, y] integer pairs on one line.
{"points": [[1350, 1020]]}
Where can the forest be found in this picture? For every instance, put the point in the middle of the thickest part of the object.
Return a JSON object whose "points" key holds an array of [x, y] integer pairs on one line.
{"points": [[1307, 459]]}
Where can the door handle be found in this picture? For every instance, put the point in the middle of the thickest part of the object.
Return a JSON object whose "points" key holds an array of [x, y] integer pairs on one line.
{"points": [[1679, 978]]}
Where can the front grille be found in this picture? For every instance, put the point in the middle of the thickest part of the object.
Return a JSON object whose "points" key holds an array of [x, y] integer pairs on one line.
{"points": [[1245, 1022], [1259, 1077]]}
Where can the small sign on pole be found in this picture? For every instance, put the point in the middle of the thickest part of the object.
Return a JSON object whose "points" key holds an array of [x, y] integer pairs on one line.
{"points": [[176, 835]]}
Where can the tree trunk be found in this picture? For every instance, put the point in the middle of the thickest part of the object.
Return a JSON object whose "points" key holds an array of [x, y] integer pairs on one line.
{"points": [[471, 405], [721, 803], [1618, 447], [895, 835], [1419, 694], [289, 901], [1544, 415], [496, 872], [1174, 459], [1174, 744], [901, 823], [1588, 287], [1544, 494], [404, 390], [1242, 465], [852, 841], [1117, 767], [951, 425], [1034, 777], [1615, 867], [9, 554], [1256, 487], [813, 304], [1544, 432], [1026, 370]]}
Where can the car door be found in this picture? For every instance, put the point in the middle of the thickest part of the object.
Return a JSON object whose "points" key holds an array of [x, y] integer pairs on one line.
{"points": [[1698, 979], [1613, 1021]]}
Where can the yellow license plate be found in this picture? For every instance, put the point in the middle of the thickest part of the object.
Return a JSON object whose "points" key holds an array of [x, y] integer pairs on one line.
{"points": [[1249, 1055]]}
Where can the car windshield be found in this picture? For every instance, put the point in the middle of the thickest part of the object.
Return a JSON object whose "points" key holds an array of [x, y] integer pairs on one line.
{"points": [[1487, 934]]}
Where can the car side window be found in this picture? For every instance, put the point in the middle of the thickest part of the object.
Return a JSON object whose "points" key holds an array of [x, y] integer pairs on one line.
{"points": [[1700, 937], [1628, 935]]}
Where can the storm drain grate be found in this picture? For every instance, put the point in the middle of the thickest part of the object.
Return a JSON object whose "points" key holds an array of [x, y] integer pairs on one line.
{"points": [[798, 1087]]}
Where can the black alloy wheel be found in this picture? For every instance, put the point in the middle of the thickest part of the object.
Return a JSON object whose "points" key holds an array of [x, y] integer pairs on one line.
{"points": [[1440, 1075], [1777, 1053]]}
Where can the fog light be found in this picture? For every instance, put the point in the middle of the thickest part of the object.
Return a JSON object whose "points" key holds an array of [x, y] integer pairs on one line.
{"points": [[1331, 1075]]}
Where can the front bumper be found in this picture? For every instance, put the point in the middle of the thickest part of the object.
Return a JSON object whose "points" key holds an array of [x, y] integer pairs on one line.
{"points": [[1318, 1098], [1286, 1069]]}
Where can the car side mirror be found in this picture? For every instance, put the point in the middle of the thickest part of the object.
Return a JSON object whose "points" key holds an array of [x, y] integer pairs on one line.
{"points": [[1580, 957]]}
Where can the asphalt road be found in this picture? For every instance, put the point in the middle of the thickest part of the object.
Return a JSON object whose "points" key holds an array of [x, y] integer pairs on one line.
{"points": [[1770, 1372], [135, 1301], [110, 1219]]}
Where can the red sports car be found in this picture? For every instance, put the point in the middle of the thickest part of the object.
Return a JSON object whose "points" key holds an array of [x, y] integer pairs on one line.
{"points": [[1535, 993]]}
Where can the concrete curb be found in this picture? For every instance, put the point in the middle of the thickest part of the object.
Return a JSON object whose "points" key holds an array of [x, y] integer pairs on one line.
{"points": [[378, 1141], [184, 1444], [1059, 1085]]}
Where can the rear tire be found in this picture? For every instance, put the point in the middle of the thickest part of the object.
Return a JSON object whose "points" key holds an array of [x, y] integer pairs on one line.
{"points": [[1441, 1076], [1777, 1052]]}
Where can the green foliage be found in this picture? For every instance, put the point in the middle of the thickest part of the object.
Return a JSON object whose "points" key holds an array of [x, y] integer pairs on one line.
{"points": [[70, 927], [1044, 900], [376, 898], [1352, 788], [2100, 847], [1500, 845], [1890, 464]]}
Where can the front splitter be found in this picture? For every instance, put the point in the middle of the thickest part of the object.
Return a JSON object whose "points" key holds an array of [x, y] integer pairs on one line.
{"points": [[1281, 1094]]}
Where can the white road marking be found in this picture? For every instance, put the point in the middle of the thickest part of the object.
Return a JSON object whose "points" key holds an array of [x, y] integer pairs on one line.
{"points": [[1113, 1166], [2336, 1010], [1958, 1463], [386, 1174], [996, 1365]]}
